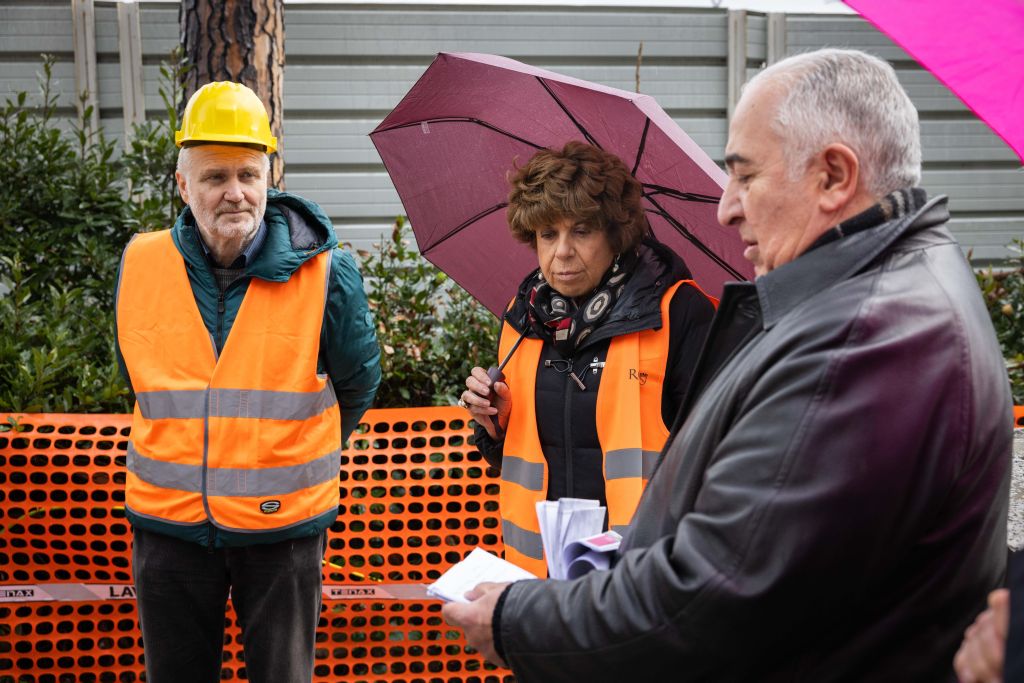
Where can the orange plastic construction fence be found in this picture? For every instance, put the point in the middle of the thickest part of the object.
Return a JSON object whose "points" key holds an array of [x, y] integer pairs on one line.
{"points": [[416, 497], [1018, 416]]}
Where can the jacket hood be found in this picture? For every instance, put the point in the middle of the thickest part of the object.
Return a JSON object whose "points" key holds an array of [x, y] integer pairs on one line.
{"points": [[639, 307], [297, 230]]}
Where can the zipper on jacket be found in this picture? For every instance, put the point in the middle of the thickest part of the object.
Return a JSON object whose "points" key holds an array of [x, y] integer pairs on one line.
{"points": [[220, 321], [567, 422], [209, 538], [220, 311]]}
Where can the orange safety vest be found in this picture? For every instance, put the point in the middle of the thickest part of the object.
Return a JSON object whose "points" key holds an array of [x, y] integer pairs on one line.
{"points": [[630, 429], [249, 440]]}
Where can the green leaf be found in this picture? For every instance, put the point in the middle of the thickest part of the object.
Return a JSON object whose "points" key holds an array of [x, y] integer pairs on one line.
{"points": [[431, 331], [71, 203]]}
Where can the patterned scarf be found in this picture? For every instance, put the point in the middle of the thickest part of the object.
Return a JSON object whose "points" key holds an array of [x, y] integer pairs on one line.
{"points": [[566, 323]]}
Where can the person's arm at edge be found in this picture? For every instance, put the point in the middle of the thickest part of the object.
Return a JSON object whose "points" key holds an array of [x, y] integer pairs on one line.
{"points": [[982, 653], [120, 361], [491, 449], [117, 342], [349, 349]]}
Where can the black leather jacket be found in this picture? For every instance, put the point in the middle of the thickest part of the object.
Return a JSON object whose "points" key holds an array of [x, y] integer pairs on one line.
{"points": [[834, 507]]}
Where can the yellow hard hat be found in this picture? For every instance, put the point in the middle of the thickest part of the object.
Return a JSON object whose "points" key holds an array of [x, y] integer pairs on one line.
{"points": [[223, 111]]}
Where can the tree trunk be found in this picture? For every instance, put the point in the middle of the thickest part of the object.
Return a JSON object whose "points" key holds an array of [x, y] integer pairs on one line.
{"points": [[241, 41]]}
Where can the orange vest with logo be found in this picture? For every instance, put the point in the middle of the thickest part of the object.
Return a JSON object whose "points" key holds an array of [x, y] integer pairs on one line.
{"points": [[630, 429], [249, 440]]}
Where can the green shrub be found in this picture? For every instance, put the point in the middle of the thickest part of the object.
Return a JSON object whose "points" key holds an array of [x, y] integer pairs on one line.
{"points": [[150, 161], [430, 330], [68, 208], [70, 204], [1004, 296]]}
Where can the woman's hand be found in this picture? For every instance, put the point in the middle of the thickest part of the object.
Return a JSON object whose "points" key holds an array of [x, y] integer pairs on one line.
{"points": [[478, 387]]}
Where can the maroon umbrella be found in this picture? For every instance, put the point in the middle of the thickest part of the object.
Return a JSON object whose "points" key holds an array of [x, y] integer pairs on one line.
{"points": [[471, 119]]}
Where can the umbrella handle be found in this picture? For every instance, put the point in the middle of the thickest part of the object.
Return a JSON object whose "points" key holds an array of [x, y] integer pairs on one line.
{"points": [[495, 375]]}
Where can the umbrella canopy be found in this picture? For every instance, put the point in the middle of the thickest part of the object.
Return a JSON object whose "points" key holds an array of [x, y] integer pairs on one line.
{"points": [[975, 48], [471, 119]]}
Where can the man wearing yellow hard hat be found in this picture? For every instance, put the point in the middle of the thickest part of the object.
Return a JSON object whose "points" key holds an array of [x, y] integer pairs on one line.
{"points": [[245, 334]]}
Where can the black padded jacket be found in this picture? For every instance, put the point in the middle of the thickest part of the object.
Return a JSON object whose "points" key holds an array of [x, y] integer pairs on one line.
{"points": [[567, 425]]}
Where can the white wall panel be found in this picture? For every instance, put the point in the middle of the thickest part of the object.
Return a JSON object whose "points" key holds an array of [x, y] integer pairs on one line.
{"points": [[581, 33], [380, 87], [348, 65], [31, 28]]}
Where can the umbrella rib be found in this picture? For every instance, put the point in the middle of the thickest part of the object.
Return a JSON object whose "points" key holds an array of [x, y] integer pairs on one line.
{"points": [[572, 118], [685, 232], [462, 226], [686, 196], [643, 144], [461, 119]]}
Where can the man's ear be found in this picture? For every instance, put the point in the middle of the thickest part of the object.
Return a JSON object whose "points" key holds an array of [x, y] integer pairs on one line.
{"points": [[839, 177], [182, 186]]}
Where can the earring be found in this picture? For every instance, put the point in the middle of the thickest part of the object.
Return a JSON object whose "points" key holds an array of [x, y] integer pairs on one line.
{"points": [[615, 263]]}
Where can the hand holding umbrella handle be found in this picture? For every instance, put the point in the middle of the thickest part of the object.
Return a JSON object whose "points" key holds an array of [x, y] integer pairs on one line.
{"points": [[495, 375]]}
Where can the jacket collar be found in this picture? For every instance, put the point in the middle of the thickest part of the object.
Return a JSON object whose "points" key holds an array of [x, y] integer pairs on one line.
{"points": [[639, 307], [788, 286], [248, 254], [296, 231]]}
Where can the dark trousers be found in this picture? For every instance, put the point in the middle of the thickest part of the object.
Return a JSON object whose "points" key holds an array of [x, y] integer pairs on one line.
{"points": [[182, 590]]}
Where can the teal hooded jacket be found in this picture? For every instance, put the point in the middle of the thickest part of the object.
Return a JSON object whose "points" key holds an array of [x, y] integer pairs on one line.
{"points": [[297, 230]]}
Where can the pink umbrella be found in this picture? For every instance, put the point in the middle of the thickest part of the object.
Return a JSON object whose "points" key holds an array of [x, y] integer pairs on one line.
{"points": [[975, 48], [452, 141]]}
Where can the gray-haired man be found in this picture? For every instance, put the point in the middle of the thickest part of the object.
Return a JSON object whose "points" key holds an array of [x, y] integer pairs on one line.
{"points": [[834, 507]]}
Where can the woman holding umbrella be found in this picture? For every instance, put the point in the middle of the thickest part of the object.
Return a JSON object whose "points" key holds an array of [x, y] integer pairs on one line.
{"points": [[609, 327]]}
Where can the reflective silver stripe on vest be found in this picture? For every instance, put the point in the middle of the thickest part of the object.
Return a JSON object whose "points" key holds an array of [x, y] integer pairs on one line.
{"points": [[529, 475], [273, 481], [253, 403], [525, 541], [271, 405], [183, 404], [228, 481], [629, 463], [167, 475]]}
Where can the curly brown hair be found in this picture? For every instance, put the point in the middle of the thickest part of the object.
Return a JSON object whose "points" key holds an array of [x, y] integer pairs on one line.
{"points": [[580, 182]]}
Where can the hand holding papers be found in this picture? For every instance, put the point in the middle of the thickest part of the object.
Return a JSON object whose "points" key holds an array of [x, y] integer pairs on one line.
{"points": [[566, 526], [478, 567], [571, 534]]}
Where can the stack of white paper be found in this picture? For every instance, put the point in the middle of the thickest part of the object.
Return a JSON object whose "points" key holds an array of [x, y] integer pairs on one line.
{"points": [[570, 531], [564, 521], [478, 567]]}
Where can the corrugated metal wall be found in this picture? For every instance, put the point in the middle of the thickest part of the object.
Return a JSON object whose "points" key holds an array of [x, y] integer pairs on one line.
{"points": [[347, 65], [962, 157]]}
